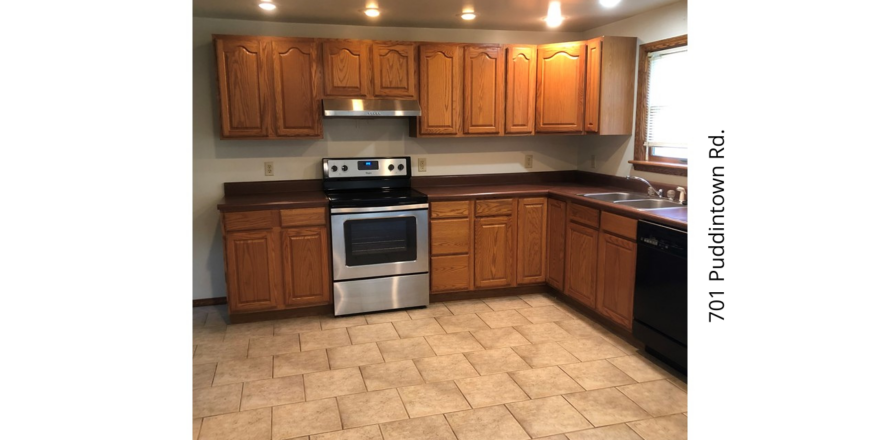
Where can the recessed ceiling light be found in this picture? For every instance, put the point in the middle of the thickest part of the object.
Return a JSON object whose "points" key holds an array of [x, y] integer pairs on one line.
{"points": [[267, 5], [609, 3], [371, 12], [554, 14], [468, 15]]}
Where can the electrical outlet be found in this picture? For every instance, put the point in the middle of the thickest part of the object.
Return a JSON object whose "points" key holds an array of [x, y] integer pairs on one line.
{"points": [[269, 168], [423, 164], [593, 160], [528, 160]]}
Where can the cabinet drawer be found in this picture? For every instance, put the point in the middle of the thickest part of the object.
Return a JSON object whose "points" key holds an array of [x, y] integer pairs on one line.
{"points": [[450, 236], [584, 215], [487, 208], [242, 221], [450, 273], [450, 209], [304, 216], [622, 226]]}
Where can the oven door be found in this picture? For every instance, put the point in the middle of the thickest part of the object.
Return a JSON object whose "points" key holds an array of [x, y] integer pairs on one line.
{"points": [[379, 241]]}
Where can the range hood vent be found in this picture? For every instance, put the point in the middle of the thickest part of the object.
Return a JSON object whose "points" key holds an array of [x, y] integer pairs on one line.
{"points": [[371, 108]]}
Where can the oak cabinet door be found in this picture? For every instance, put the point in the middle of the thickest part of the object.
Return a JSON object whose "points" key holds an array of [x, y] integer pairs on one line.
{"points": [[494, 252], [346, 67], [305, 266], [251, 274], [520, 101], [450, 273], [617, 275], [483, 89], [556, 243], [581, 253], [531, 241], [394, 70], [440, 89], [594, 76], [243, 78], [297, 110], [560, 95]]}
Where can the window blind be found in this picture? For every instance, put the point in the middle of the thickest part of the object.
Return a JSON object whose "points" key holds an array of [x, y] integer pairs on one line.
{"points": [[667, 122]]}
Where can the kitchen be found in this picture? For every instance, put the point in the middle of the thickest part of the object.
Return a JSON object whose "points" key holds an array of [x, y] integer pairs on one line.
{"points": [[219, 161]]}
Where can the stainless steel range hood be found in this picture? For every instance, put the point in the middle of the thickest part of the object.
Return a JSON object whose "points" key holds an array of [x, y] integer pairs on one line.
{"points": [[371, 108]]}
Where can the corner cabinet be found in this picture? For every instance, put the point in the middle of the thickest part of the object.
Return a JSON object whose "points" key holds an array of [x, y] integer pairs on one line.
{"points": [[276, 259], [267, 87]]}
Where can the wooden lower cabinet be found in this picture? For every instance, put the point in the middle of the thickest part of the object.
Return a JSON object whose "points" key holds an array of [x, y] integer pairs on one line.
{"points": [[531, 243], [556, 243], [450, 273], [251, 274], [272, 267], [616, 278], [305, 266], [494, 252], [581, 256]]}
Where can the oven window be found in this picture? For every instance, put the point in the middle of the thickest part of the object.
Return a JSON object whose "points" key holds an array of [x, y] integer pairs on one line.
{"points": [[378, 241]]}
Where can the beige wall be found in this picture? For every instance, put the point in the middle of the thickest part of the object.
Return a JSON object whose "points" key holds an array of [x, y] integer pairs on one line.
{"points": [[217, 161], [612, 153]]}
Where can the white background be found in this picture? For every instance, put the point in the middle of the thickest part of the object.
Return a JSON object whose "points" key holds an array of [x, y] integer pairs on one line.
{"points": [[96, 219]]}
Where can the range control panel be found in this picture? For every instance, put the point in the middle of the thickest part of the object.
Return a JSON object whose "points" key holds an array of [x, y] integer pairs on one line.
{"points": [[366, 167]]}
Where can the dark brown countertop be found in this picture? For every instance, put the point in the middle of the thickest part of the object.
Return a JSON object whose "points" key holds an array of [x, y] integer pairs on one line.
{"points": [[252, 196], [288, 200], [676, 218]]}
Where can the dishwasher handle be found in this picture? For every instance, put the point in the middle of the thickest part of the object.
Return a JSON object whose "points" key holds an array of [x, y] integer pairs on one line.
{"points": [[662, 238]]}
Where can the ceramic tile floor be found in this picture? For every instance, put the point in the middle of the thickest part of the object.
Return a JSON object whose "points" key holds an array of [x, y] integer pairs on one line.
{"points": [[503, 368]]}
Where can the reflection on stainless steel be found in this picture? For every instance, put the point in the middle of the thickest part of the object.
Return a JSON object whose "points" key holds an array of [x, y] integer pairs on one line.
{"points": [[371, 107], [379, 209], [373, 294]]}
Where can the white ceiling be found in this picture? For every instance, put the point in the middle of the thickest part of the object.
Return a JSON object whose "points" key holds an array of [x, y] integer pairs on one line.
{"points": [[523, 15]]}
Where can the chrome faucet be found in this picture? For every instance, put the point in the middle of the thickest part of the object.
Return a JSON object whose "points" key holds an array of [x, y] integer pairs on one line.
{"points": [[651, 191]]}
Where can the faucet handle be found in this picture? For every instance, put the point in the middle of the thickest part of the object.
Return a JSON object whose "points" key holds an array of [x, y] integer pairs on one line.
{"points": [[682, 195]]}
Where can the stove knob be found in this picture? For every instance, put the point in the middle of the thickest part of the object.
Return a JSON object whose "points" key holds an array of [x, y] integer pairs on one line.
{"points": [[400, 167], [334, 168], [391, 167], [345, 168]]}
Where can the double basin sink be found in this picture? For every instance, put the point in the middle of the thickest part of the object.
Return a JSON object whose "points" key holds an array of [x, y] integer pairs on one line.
{"points": [[637, 201]]}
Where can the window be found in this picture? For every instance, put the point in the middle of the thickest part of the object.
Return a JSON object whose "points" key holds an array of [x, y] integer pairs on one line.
{"points": [[661, 123]]}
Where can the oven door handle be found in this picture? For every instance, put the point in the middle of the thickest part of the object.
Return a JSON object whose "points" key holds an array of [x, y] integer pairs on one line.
{"points": [[379, 209]]}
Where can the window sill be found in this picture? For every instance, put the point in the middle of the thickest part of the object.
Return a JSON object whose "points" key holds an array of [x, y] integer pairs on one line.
{"points": [[660, 167]]}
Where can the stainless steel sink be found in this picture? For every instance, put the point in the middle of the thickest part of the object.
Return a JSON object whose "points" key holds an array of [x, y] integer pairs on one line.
{"points": [[614, 196], [646, 204]]}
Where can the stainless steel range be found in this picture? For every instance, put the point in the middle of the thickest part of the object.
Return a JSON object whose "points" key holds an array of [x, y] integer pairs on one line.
{"points": [[379, 235]]}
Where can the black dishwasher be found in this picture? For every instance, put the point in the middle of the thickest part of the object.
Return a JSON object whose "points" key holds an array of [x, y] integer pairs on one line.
{"points": [[660, 302]]}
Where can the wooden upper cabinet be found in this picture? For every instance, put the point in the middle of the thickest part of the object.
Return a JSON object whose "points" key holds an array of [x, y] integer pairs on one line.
{"points": [[520, 100], [616, 279], [297, 109], [616, 82], [483, 89], [305, 266], [494, 252], [556, 243], [560, 88], [581, 255], [243, 78], [394, 70], [251, 270], [531, 241], [594, 76], [346, 68], [440, 89]]}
